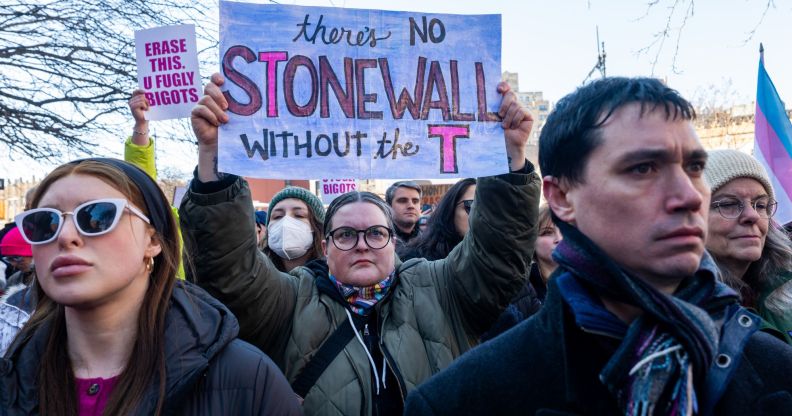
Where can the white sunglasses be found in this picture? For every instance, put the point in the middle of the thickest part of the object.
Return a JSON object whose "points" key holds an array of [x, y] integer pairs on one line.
{"points": [[93, 218]]}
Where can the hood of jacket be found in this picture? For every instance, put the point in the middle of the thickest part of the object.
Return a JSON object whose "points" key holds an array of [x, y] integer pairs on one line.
{"points": [[197, 328]]}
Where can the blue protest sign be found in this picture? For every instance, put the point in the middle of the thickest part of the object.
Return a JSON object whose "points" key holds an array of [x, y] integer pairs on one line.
{"points": [[318, 92]]}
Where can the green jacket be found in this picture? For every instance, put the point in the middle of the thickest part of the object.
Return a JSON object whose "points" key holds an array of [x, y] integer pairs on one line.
{"points": [[144, 158], [777, 321], [434, 312]]}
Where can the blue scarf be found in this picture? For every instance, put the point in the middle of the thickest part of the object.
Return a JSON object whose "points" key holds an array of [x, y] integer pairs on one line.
{"points": [[666, 352]]}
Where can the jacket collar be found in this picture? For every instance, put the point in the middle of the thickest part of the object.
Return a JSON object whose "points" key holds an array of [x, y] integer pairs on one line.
{"points": [[197, 328]]}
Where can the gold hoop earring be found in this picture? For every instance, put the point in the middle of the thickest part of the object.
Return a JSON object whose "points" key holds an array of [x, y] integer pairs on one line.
{"points": [[150, 264]]}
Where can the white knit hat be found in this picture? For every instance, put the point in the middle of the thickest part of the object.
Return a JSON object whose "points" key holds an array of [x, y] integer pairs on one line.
{"points": [[724, 166]]}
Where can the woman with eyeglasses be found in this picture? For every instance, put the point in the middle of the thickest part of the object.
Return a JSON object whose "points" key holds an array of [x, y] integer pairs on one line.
{"points": [[356, 332], [753, 253], [114, 332]]}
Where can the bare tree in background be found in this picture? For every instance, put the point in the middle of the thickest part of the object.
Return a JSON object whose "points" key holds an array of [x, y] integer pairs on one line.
{"points": [[678, 13], [68, 66], [712, 101]]}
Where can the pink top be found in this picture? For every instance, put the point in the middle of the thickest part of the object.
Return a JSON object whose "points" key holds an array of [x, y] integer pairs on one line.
{"points": [[92, 394]]}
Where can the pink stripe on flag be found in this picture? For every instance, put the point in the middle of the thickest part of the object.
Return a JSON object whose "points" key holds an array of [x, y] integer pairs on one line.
{"points": [[778, 160]]}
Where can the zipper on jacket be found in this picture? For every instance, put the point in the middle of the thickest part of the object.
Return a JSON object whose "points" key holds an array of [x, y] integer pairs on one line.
{"points": [[389, 360], [601, 333]]}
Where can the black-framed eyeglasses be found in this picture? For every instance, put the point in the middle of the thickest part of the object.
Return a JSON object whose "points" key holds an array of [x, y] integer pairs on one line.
{"points": [[731, 208], [12, 259], [346, 238], [467, 204]]}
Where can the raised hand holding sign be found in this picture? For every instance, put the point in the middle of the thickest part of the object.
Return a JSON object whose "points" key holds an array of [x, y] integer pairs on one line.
{"points": [[325, 92]]}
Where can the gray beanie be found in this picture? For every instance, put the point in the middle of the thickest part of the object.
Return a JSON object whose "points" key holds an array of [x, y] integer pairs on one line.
{"points": [[726, 165], [314, 203]]}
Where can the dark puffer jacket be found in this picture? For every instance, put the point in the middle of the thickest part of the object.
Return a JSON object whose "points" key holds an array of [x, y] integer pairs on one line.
{"points": [[209, 371], [434, 311], [547, 365]]}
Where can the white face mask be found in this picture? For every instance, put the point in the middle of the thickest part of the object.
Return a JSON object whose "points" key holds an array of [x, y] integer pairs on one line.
{"points": [[289, 238]]}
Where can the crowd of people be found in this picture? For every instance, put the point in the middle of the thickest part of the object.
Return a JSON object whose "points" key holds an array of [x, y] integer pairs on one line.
{"points": [[653, 281]]}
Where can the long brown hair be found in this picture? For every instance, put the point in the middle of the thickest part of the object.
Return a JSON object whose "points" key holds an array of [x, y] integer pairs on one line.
{"points": [[768, 274], [56, 385]]}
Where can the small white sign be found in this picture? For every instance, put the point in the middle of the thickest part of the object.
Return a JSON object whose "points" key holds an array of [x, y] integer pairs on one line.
{"points": [[167, 62], [333, 188], [178, 194]]}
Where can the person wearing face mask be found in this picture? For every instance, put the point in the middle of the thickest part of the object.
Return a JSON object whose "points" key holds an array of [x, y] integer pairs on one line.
{"points": [[294, 228]]}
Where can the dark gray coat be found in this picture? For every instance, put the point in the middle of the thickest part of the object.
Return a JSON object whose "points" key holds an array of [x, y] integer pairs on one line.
{"points": [[209, 371], [547, 365]]}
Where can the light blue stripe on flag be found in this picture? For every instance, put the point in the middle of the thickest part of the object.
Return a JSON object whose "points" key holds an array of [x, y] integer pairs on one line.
{"points": [[769, 101]]}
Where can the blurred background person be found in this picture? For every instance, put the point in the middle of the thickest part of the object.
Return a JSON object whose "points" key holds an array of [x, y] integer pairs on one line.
{"points": [[294, 228], [17, 252], [446, 227], [404, 198], [543, 264], [753, 252], [261, 229]]}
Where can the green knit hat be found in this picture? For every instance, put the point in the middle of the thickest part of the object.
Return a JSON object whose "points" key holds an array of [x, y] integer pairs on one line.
{"points": [[724, 166], [313, 202]]}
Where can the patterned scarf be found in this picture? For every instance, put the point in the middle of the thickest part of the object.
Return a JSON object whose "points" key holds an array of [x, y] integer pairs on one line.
{"points": [[666, 352], [362, 299]]}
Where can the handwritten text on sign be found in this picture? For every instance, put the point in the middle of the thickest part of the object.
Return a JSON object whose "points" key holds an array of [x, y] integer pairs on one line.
{"points": [[167, 62], [329, 92], [333, 188]]}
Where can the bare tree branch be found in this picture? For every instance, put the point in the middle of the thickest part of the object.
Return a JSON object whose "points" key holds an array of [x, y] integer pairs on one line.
{"points": [[669, 31], [751, 34], [67, 68]]}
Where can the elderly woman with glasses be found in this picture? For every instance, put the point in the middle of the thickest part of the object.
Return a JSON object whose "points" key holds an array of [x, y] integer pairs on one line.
{"points": [[753, 253], [355, 333]]}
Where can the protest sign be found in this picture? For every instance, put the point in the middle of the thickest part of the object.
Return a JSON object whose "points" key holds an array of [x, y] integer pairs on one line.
{"points": [[333, 188], [167, 62], [319, 92], [178, 194]]}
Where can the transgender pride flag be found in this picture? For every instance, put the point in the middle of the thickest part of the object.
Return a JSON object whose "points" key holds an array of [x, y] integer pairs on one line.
{"points": [[773, 144]]}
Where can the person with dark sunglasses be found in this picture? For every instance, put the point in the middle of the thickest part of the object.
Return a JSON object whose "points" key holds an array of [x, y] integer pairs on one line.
{"points": [[446, 227]]}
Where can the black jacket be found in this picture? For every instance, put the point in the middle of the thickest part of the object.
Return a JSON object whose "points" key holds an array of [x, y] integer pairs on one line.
{"points": [[209, 371], [547, 365]]}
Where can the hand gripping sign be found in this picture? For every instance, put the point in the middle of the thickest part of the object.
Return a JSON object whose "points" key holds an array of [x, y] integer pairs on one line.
{"points": [[167, 61], [320, 92]]}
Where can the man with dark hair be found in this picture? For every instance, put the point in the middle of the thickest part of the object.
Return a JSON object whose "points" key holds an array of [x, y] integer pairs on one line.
{"points": [[635, 320], [404, 198]]}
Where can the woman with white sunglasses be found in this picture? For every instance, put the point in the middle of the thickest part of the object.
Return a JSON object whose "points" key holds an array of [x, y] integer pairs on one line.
{"points": [[114, 332]]}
